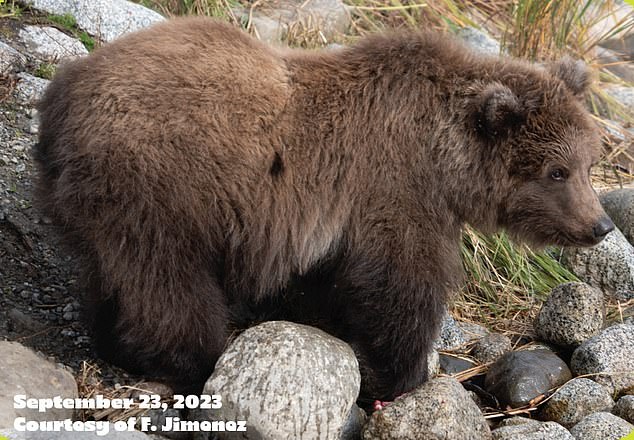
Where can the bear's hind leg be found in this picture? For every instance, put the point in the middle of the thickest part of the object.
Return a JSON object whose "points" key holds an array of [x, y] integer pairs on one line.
{"points": [[173, 328]]}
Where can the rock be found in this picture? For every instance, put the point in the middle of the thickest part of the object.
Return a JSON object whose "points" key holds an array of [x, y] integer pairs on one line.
{"points": [[22, 321], [576, 399], [608, 266], [10, 59], [480, 41], [30, 89], [601, 426], [476, 398], [354, 424], [273, 21], [619, 205], [455, 335], [491, 347], [624, 408], [451, 365], [49, 44], [623, 94], [433, 363], [604, 22], [472, 331], [265, 28], [538, 346], [517, 420], [615, 63], [518, 377], [572, 313], [623, 45], [439, 409], [451, 336], [300, 382], [611, 352], [25, 373], [532, 431], [105, 19]]}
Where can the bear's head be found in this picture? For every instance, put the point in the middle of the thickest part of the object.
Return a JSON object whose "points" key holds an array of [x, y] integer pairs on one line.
{"points": [[548, 143]]}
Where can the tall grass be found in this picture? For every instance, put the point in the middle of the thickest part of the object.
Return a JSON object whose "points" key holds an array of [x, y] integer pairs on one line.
{"points": [[212, 8], [544, 29], [505, 280]]}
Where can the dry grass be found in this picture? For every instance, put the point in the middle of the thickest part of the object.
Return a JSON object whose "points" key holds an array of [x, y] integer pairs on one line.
{"points": [[90, 385]]}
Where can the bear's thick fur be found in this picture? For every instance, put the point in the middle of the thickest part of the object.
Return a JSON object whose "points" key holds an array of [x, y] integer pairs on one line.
{"points": [[200, 175]]}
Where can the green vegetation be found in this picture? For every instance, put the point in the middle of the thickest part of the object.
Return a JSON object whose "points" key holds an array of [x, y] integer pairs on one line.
{"points": [[212, 8], [87, 40], [505, 282], [68, 23], [45, 70], [9, 8]]}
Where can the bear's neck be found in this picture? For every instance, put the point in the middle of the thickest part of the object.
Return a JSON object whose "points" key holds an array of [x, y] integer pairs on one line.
{"points": [[396, 105]]}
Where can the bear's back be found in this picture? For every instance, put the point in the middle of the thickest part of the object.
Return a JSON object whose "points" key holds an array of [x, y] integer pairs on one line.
{"points": [[178, 77]]}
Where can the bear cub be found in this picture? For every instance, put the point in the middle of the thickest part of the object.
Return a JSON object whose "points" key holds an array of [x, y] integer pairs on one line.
{"points": [[205, 181]]}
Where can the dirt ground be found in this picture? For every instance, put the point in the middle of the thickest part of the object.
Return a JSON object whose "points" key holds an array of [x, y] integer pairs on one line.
{"points": [[39, 305]]}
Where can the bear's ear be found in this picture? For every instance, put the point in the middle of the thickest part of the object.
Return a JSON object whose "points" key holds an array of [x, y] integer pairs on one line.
{"points": [[498, 110], [574, 74]]}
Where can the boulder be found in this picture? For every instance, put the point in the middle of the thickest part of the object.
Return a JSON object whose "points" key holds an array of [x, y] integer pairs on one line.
{"points": [[287, 380]]}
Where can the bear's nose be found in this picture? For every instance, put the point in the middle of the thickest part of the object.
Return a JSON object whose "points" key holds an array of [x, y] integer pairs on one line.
{"points": [[602, 228]]}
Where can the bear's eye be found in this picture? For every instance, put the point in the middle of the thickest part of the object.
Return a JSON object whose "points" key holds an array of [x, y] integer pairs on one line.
{"points": [[558, 174]]}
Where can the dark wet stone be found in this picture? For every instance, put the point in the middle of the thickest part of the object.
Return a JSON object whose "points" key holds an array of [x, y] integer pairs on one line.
{"points": [[518, 377]]}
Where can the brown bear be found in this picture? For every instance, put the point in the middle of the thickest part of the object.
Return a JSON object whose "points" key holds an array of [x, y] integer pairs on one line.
{"points": [[206, 180]]}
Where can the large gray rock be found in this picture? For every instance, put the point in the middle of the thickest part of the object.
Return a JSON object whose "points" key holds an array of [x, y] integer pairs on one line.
{"points": [[623, 45], [49, 44], [104, 19], [623, 94], [572, 313], [518, 377], [601, 426], [607, 17], [26, 373], [288, 381], [532, 431], [480, 41], [611, 353], [576, 399], [619, 205], [624, 408], [615, 62], [274, 20], [439, 409], [10, 59], [29, 89], [608, 266]]}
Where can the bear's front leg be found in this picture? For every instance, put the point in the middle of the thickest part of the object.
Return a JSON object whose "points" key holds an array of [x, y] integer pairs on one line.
{"points": [[393, 338], [395, 295]]}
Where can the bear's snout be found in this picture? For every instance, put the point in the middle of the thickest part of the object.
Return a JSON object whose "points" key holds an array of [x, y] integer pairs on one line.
{"points": [[603, 227]]}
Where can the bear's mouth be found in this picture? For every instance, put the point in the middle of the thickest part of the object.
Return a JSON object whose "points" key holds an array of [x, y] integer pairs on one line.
{"points": [[585, 240]]}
